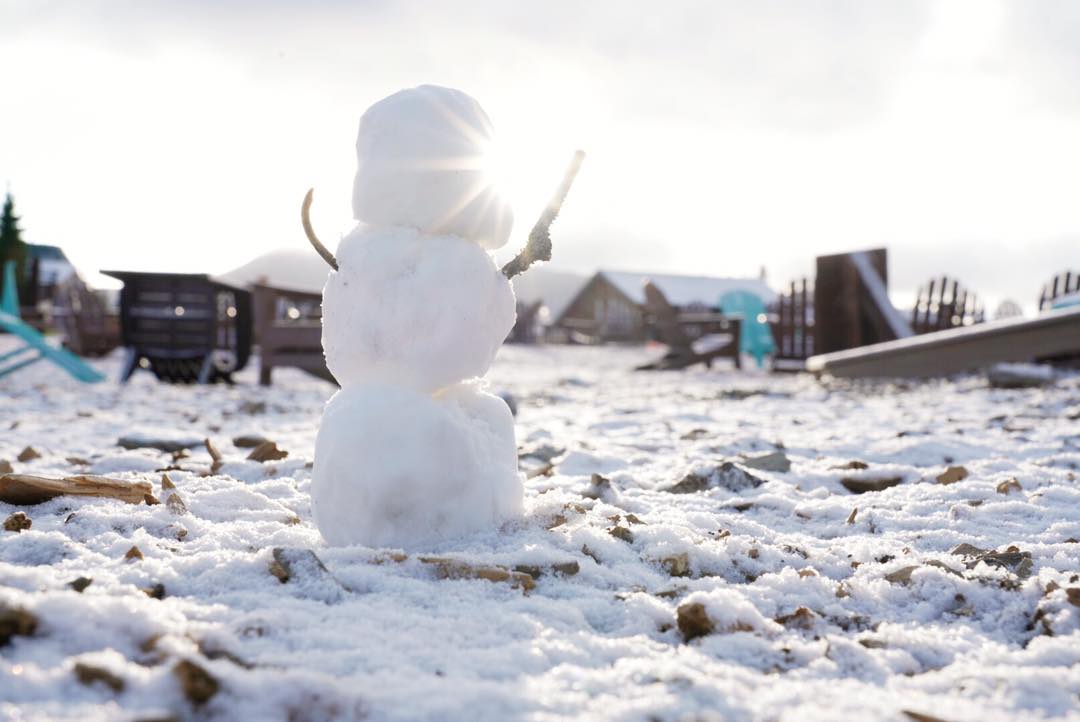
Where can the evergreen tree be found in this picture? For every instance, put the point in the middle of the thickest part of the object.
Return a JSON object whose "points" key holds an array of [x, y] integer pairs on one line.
{"points": [[12, 247]]}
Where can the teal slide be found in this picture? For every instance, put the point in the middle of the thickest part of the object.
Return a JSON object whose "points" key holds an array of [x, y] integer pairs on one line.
{"points": [[34, 343]]}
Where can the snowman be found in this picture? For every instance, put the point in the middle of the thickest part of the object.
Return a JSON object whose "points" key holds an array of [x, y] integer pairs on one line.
{"points": [[412, 451]]}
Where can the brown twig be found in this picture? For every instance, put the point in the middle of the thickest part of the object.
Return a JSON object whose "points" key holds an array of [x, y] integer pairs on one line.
{"points": [[538, 247], [310, 232]]}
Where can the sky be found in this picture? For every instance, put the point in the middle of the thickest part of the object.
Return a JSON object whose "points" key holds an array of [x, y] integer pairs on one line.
{"points": [[722, 137]]}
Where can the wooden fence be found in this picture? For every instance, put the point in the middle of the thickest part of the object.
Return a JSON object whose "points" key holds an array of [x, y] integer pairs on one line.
{"points": [[943, 304]]}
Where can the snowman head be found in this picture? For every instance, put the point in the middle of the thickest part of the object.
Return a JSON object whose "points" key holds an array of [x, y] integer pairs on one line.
{"points": [[421, 156]]}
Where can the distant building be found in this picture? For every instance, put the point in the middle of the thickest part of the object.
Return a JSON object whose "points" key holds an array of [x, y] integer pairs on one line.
{"points": [[46, 267], [611, 304]]}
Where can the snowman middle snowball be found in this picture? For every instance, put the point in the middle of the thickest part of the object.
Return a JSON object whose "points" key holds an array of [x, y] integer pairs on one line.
{"points": [[411, 451]]}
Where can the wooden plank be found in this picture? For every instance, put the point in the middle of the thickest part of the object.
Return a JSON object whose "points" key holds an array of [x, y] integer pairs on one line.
{"points": [[968, 348]]}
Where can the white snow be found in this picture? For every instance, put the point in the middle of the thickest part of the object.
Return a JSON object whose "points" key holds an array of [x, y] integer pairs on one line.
{"points": [[421, 155], [686, 290], [398, 468], [392, 641], [419, 311]]}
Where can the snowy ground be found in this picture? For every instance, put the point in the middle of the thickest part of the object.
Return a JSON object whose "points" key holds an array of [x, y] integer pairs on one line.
{"points": [[814, 614]]}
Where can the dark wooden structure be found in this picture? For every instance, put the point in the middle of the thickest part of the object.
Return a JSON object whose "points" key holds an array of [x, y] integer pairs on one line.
{"points": [[1051, 335], [851, 302], [288, 328], [80, 317], [183, 327], [680, 330], [1060, 285], [526, 324], [792, 324], [942, 304]]}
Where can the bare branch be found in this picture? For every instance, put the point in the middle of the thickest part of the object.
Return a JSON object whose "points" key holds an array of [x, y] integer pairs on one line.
{"points": [[322, 250], [538, 247]]}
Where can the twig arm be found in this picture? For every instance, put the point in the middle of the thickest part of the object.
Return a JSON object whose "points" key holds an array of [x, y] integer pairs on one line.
{"points": [[538, 247], [323, 251]]}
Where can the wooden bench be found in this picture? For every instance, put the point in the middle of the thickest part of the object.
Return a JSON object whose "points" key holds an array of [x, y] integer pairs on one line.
{"points": [[80, 317], [288, 329], [681, 330]]}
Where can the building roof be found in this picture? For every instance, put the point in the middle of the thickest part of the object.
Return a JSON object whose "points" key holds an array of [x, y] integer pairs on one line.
{"points": [[685, 290]]}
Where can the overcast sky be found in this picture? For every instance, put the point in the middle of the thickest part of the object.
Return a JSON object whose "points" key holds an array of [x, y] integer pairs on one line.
{"points": [[722, 136]]}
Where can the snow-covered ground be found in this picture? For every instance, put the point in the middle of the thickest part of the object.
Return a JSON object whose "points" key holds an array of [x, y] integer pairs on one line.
{"points": [[823, 603]]}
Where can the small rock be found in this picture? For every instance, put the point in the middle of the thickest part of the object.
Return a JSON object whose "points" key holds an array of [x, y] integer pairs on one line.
{"points": [[15, 622], [1008, 486], [217, 460], [267, 451], [175, 504], [151, 500], [901, 576], [198, 685], [726, 476], [694, 434], [5, 467], [302, 568], [853, 466], [693, 621], [952, 475], [458, 569], [80, 584], [568, 569], [28, 454], [801, 618], [168, 445], [154, 591], [677, 565], [17, 522], [773, 461], [967, 550], [861, 486], [88, 674], [851, 516], [1072, 595], [133, 553], [622, 532], [253, 408], [249, 441], [599, 486], [167, 483]]}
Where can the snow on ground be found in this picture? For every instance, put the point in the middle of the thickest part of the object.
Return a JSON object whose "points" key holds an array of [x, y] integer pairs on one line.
{"points": [[816, 611]]}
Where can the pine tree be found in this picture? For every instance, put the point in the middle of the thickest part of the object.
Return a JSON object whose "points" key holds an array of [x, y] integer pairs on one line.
{"points": [[12, 247]]}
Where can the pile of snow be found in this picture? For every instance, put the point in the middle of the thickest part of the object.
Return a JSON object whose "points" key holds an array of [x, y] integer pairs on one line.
{"points": [[289, 269]]}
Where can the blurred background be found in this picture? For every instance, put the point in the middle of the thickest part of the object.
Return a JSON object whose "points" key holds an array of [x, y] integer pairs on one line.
{"points": [[724, 138]]}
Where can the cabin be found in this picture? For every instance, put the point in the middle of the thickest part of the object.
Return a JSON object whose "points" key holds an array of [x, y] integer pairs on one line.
{"points": [[611, 305]]}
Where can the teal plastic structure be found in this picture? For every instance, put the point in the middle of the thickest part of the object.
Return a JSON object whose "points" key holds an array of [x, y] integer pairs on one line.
{"points": [[34, 347], [755, 337]]}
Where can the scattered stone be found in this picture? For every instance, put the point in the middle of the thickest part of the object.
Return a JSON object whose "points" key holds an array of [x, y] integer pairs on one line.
{"points": [[853, 466], [851, 516], [1008, 486], [952, 475], [693, 621], [967, 550], [773, 461], [154, 591], [542, 470], [567, 569], [88, 674], [1072, 595], [632, 519], [248, 441], [25, 490], [17, 522], [555, 521], [198, 685], [901, 576], [151, 500], [801, 618], [267, 451], [133, 553], [15, 622], [694, 434], [457, 569], [167, 483], [753, 553], [622, 532], [217, 460], [5, 467], [807, 572], [253, 408], [726, 476], [599, 486], [943, 565], [861, 486], [28, 454], [677, 565], [73, 460], [168, 445], [1019, 376], [176, 504], [302, 568], [1014, 560], [920, 717], [873, 643], [80, 584]]}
